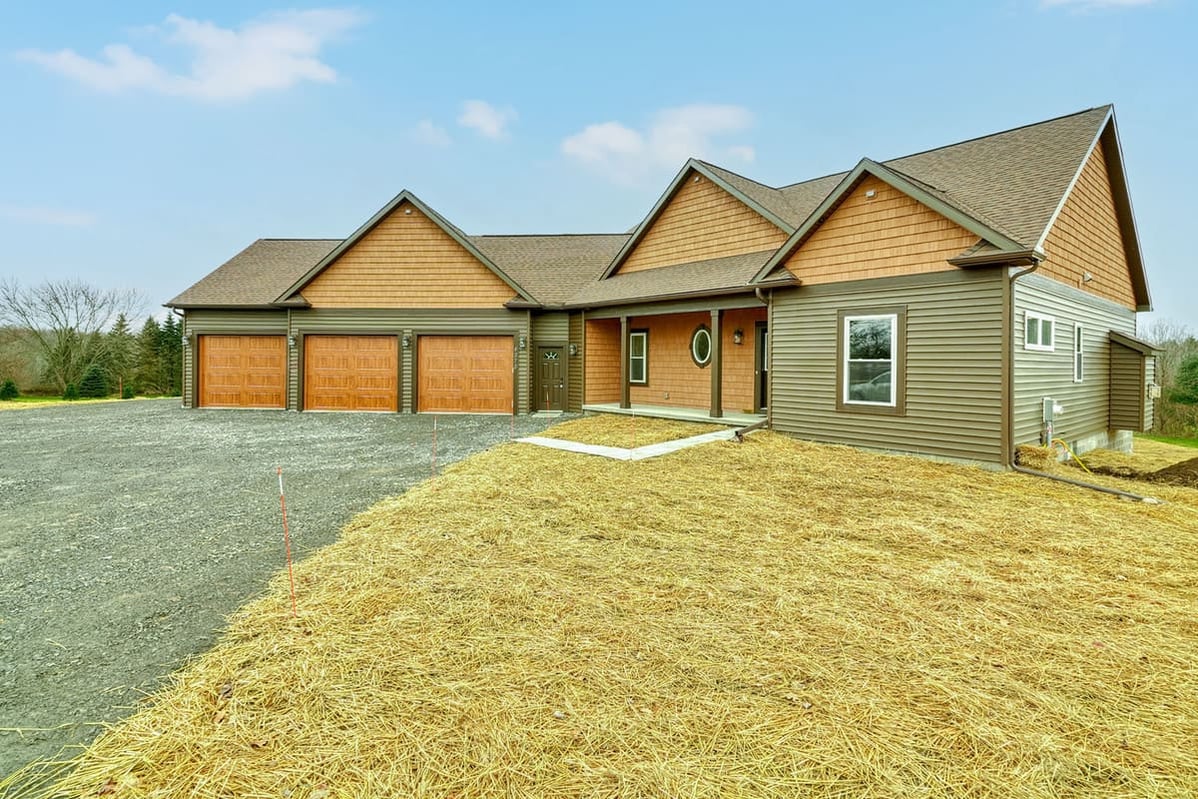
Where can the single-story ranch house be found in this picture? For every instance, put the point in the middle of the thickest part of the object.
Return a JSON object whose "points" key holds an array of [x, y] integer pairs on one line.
{"points": [[954, 302]]}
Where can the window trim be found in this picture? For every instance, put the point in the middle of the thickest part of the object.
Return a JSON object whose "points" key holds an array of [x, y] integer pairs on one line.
{"points": [[1039, 346], [898, 358], [710, 346], [1079, 353], [643, 333]]}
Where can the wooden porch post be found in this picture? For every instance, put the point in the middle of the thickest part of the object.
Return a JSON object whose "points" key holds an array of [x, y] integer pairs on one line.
{"points": [[717, 365], [625, 395]]}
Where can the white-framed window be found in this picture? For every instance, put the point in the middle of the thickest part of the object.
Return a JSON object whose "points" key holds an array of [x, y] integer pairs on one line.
{"points": [[638, 357], [701, 346], [1038, 332], [1079, 354], [870, 345]]}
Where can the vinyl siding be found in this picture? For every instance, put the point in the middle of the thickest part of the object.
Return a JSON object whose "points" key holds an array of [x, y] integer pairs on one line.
{"points": [[1086, 238], [1128, 389], [953, 364], [407, 261], [413, 322], [699, 222], [887, 235], [199, 322], [551, 328], [1149, 404], [1050, 374], [577, 365]]}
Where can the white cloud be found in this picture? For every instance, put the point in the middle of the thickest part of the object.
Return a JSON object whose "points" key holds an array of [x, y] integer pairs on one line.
{"points": [[485, 118], [273, 52], [36, 215], [1091, 5], [672, 136], [430, 134]]}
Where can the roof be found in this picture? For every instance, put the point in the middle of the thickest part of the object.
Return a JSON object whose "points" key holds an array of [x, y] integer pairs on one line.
{"points": [[256, 276], [726, 274], [552, 268], [1133, 343]]}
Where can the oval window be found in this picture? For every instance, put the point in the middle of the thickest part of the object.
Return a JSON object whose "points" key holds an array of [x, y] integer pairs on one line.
{"points": [[701, 346]]}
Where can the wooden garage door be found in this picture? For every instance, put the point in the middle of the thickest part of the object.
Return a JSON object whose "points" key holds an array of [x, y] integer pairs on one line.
{"points": [[242, 372], [465, 374], [351, 373]]}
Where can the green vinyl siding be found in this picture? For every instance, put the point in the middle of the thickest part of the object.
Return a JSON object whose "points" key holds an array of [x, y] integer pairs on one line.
{"points": [[952, 364], [1127, 389], [1037, 374], [577, 371], [413, 323], [230, 322]]}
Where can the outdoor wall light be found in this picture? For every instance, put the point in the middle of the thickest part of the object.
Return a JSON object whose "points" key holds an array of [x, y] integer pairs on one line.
{"points": [[291, 341], [573, 350], [522, 342], [738, 336], [406, 342], [186, 340]]}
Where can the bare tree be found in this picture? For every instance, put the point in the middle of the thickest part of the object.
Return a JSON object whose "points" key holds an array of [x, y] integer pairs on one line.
{"points": [[65, 321]]}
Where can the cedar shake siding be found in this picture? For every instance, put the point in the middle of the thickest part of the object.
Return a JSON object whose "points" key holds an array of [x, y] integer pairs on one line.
{"points": [[1086, 238], [602, 381], [886, 235], [1040, 374], [407, 261], [952, 371], [700, 222], [740, 360]]}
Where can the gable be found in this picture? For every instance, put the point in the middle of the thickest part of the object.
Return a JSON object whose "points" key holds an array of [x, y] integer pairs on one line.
{"points": [[407, 261], [700, 222], [885, 235], [1086, 237]]}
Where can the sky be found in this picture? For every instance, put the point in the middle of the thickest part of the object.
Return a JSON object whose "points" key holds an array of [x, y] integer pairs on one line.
{"points": [[145, 143]]}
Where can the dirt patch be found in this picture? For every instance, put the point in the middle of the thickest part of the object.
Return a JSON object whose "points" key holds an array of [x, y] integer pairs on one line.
{"points": [[1179, 474]]}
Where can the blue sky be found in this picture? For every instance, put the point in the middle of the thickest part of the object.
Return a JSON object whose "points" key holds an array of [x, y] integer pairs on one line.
{"points": [[145, 143]]}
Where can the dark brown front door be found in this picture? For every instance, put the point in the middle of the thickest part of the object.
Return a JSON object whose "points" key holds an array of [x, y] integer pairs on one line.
{"points": [[761, 391], [551, 378]]}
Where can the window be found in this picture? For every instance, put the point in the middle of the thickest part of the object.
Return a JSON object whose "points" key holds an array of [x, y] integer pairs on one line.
{"points": [[701, 346], [1079, 354], [638, 357], [870, 346], [1038, 332]]}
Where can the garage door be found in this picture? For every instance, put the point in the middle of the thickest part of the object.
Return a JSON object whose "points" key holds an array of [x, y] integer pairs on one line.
{"points": [[242, 372], [465, 374], [351, 373]]}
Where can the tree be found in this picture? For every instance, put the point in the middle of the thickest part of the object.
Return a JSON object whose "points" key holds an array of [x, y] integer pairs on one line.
{"points": [[148, 371], [121, 352], [171, 354], [65, 320], [94, 383], [9, 391], [1185, 385]]}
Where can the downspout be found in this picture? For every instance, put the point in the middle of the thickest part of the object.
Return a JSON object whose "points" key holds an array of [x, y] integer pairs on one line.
{"points": [[1009, 444], [769, 399]]}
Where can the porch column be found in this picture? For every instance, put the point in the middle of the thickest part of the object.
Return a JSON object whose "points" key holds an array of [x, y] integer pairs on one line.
{"points": [[625, 395], [717, 365]]}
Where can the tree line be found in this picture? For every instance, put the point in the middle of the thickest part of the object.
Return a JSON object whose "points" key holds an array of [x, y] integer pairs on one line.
{"points": [[73, 339], [1177, 375]]}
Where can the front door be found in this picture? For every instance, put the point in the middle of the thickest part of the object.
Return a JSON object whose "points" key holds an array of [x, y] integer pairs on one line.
{"points": [[761, 389], [551, 379]]}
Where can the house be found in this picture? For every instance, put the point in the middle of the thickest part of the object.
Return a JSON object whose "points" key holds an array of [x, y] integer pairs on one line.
{"points": [[955, 302]]}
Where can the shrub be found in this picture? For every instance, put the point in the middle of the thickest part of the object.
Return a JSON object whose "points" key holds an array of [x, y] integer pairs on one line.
{"points": [[127, 392], [71, 393], [94, 383], [8, 391]]}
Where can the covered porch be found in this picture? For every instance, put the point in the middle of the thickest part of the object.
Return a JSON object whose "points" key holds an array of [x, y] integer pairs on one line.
{"points": [[697, 361]]}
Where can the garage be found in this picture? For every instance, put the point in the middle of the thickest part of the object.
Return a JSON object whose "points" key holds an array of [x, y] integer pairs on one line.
{"points": [[351, 373], [465, 374], [242, 371]]}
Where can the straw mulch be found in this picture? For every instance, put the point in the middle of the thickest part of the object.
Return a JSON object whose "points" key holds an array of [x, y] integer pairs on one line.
{"points": [[1146, 458], [628, 432], [771, 618]]}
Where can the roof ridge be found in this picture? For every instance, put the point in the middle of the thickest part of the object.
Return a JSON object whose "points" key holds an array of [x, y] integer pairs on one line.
{"points": [[736, 174], [955, 200], [298, 238], [539, 235], [997, 133]]}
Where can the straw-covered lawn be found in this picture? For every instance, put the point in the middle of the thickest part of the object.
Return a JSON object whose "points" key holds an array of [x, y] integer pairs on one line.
{"points": [[771, 618], [628, 432], [1147, 456]]}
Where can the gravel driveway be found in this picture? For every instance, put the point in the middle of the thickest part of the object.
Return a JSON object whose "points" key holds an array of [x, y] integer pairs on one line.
{"points": [[129, 530]]}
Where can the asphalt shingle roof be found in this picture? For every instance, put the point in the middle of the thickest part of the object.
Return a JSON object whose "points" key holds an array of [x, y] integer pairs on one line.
{"points": [[257, 275], [1012, 182]]}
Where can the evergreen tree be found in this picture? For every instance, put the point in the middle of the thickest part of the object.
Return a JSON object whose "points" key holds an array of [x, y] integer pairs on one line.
{"points": [[8, 391], [121, 350], [1185, 384], [148, 372], [71, 393], [94, 383], [171, 353]]}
